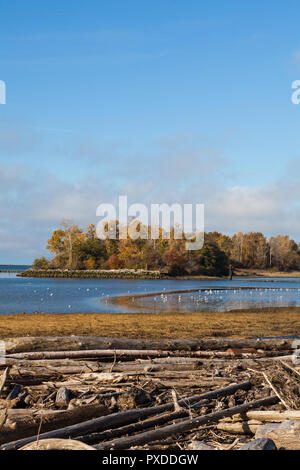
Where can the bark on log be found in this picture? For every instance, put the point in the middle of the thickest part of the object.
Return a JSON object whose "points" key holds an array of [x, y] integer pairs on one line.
{"points": [[53, 364], [189, 367], [96, 353], [247, 428], [136, 427], [127, 354], [120, 419], [31, 377], [182, 427], [187, 383], [48, 343], [17, 424], [94, 379], [62, 397], [57, 444], [268, 416], [286, 434]]}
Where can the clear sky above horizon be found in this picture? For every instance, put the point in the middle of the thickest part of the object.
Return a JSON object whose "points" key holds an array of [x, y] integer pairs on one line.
{"points": [[164, 101]]}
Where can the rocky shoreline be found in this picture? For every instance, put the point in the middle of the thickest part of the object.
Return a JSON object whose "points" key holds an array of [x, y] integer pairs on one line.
{"points": [[93, 274]]}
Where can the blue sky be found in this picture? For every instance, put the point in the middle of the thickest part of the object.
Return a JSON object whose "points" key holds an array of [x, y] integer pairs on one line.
{"points": [[165, 101]]}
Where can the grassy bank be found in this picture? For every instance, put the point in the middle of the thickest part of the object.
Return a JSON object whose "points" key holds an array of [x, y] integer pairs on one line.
{"points": [[266, 322], [265, 273]]}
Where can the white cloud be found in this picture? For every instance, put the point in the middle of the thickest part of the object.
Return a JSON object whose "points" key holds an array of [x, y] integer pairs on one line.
{"points": [[33, 201]]}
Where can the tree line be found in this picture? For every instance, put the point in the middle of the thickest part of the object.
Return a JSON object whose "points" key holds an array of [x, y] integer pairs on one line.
{"points": [[75, 248]]}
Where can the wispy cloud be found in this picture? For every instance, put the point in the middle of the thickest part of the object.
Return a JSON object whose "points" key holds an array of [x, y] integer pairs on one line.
{"points": [[33, 202]]}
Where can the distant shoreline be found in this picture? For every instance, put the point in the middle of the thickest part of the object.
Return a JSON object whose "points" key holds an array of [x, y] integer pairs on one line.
{"points": [[93, 274], [146, 274], [14, 268]]}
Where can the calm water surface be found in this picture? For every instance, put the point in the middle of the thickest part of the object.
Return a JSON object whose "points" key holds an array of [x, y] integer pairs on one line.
{"points": [[30, 295]]}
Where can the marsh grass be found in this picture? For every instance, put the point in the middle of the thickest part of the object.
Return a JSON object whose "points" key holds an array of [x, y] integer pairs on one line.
{"points": [[243, 323]]}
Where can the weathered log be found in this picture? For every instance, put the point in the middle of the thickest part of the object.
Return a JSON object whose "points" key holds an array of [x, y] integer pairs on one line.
{"points": [[127, 354], [145, 366], [188, 373], [53, 364], [95, 379], [121, 419], [247, 428], [17, 424], [286, 434], [205, 361], [136, 427], [31, 377], [182, 427], [268, 416], [173, 360], [123, 354], [188, 383], [62, 397], [57, 444], [3, 379], [96, 353], [56, 343]]}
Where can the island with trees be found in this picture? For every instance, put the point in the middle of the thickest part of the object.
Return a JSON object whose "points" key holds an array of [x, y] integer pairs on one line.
{"points": [[80, 253]]}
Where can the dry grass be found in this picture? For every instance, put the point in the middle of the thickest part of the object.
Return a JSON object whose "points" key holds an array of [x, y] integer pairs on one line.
{"points": [[265, 322], [266, 273]]}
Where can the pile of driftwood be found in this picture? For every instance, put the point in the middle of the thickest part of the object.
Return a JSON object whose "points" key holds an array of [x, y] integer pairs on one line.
{"points": [[101, 394]]}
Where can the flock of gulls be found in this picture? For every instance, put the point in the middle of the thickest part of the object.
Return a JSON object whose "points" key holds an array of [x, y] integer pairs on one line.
{"points": [[221, 298], [230, 297]]}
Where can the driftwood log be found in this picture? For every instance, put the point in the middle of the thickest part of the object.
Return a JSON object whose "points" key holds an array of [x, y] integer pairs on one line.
{"points": [[57, 444], [247, 428], [121, 419], [16, 424], [268, 416], [48, 343], [3, 379], [140, 426], [125, 354], [93, 353], [182, 426]]}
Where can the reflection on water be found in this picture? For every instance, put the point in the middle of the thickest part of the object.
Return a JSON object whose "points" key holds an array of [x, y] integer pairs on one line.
{"points": [[27, 295], [218, 300]]}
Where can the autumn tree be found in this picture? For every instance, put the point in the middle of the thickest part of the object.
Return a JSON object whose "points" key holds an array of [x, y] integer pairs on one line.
{"points": [[284, 253], [74, 248]]}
